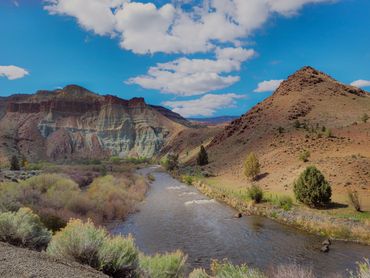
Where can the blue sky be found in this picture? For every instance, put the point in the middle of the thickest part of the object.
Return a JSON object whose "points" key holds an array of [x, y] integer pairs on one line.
{"points": [[208, 67]]}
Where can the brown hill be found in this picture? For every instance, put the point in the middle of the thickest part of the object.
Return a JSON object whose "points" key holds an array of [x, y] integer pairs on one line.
{"points": [[309, 111], [73, 123]]}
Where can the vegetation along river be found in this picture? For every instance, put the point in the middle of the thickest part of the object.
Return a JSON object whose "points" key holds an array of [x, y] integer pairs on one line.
{"points": [[176, 216]]}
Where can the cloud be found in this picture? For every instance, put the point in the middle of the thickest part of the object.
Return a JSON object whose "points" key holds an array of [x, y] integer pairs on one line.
{"points": [[189, 77], [145, 28], [12, 72], [268, 86], [207, 105], [361, 83]]}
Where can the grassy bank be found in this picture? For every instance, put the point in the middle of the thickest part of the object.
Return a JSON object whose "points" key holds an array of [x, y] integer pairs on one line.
{"points": [[348, 226]]}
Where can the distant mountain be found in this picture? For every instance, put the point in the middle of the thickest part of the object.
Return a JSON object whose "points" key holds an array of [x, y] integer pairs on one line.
{"points": [[214, 120], [74, 122]]}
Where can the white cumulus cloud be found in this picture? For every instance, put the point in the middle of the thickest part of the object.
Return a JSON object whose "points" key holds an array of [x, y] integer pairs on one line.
{"points": [[189, 77], [207, 105], [361, 83], [146, 28], [268, 86], [12, 72]]}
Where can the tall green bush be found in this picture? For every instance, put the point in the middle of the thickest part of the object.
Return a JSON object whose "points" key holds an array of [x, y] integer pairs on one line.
{"points": [[170, 162], [168, 265], [255, 193], [202, 158], [251, 166], [119, 257], [79, 242], [311, 188], [14, 163], [23, 228]]}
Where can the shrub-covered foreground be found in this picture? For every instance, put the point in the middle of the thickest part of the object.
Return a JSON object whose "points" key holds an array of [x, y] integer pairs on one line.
{"points": [[118, 256], [57, 198]]}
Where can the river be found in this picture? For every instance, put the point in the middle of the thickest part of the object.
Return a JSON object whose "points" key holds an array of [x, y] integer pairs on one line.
{"points": [[177, 216]]}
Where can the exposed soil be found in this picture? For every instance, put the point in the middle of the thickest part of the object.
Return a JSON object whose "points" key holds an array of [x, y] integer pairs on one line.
{"points": [[24, 263]]}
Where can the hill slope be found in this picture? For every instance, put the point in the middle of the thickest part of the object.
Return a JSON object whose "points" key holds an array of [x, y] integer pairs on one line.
{"points": [[73, 123], [322, 106]]}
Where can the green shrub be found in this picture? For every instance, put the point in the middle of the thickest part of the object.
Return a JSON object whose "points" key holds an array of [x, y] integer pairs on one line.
{"points": [[284, 202], [79, 242], [255, 193], [227, 270], [118, 257], [297, 124], [115, 160], [354, 200], [168, 265], [170, 162], [311, 188], [23, 228], [188, 179], [304, 155], [202, 158], [199, 273], [251, 166], [14, 163], [365, 117], [328, 133]]}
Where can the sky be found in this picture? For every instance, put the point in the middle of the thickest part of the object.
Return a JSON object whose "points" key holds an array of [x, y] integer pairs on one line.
{"points": [[198, 58]]}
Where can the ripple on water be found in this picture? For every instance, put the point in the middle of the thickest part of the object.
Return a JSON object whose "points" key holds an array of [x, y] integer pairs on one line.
{"points": [[199, 202]]}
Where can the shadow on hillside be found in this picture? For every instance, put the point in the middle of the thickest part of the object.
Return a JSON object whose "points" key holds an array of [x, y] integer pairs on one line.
{"points": [[261, 176], [335, 205]]}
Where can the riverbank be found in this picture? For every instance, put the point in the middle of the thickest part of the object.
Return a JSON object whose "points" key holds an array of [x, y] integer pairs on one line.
{"points": [[300, 217]]}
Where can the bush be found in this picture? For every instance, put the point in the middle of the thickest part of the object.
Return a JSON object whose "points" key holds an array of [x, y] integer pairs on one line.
{"points": [[14, 164], [284, 202], [328, 133], [251, 166], [115, 160], [171, 162], [168, 265], [311, 188], [23, 228], [255, 193], [79, 242], [365, 118], [188, 179], [227, 270], [354, 200], [297, 124], [202, 158], [118, 257], [304, 155]]}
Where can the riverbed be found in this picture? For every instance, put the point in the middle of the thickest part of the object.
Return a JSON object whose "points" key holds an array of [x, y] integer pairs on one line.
{"points": [[176, 216]]}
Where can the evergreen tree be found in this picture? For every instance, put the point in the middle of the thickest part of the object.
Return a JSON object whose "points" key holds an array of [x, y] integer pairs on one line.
{"points": [[202, 158]]}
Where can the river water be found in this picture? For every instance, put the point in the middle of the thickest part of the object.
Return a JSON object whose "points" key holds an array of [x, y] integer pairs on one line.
{"points": [[176, 216]]}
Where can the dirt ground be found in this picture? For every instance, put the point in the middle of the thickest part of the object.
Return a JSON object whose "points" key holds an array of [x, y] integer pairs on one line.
{"points": [[23, 263]]}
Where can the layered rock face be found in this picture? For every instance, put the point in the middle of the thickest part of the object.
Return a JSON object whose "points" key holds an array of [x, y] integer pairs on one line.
{"points": [[74, 123]]}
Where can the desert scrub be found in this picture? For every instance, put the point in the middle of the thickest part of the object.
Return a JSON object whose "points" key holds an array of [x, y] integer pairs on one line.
{"points": [[285, 202], [251, 166], [304, 155], [311, 188], [24, 228], [168, 265], [150, 177], [255, 193], [225, 269], [354, 200], [187, 179], [79, 242], [119, 257]]}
